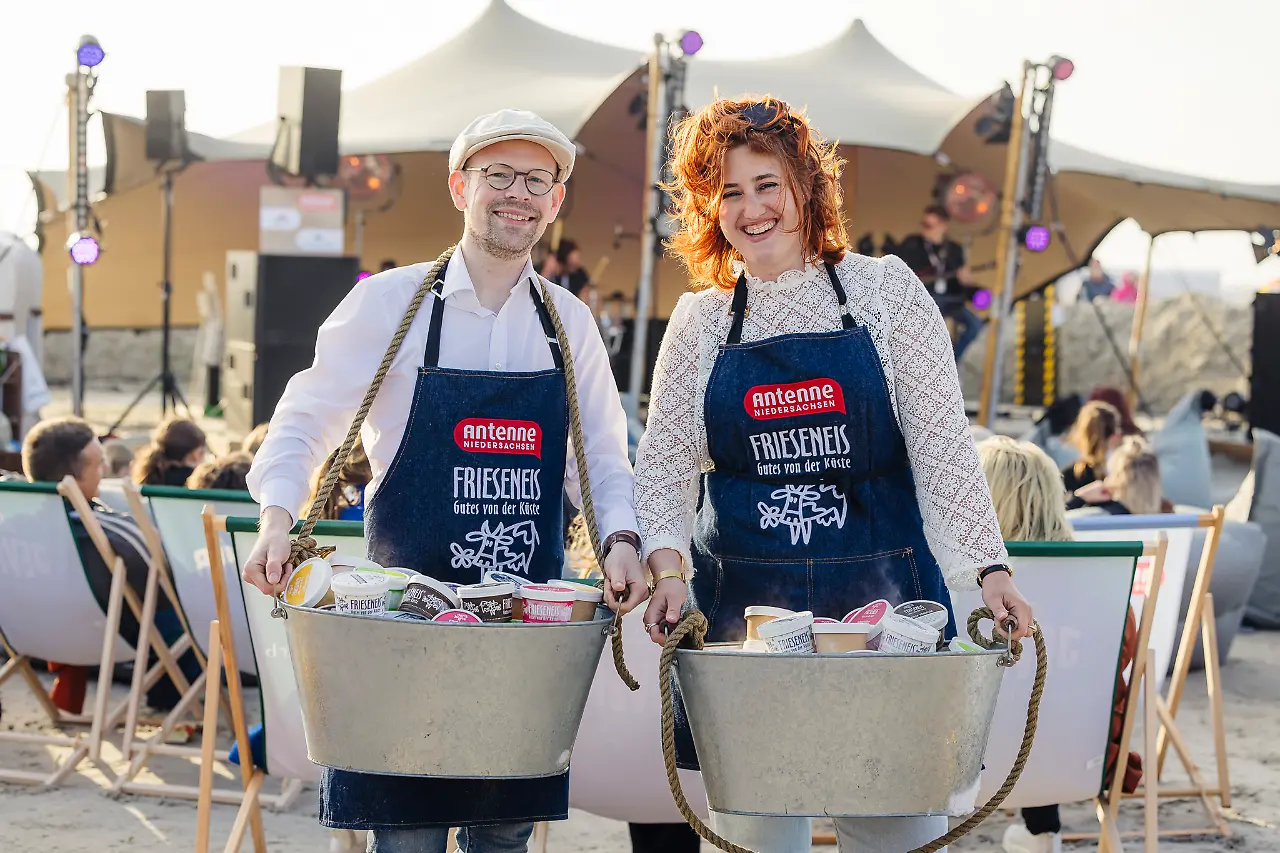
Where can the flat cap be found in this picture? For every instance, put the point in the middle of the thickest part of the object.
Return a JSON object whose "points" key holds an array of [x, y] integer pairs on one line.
{"points": [[513, 124]]}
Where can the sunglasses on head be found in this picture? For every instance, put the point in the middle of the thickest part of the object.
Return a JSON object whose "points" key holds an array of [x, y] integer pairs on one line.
{"points": [[767, 115]]}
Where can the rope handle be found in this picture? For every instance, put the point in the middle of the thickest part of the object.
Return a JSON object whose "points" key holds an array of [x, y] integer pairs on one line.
{"points": [[691, 632], [584, 481]]}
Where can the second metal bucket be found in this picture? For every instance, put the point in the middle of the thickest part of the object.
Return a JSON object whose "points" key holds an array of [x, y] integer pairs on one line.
{"points": [[838, 735], [431, 699]]}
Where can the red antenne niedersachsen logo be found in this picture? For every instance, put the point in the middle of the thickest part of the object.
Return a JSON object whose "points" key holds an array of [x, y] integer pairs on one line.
{"points": [[811, 397], [493, 435]]}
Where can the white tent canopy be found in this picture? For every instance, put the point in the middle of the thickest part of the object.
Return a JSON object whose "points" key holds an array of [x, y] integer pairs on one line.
{"points": [[502, 60], [852, 87]]}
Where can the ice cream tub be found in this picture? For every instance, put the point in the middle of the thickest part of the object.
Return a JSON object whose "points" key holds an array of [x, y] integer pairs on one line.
{"points": [[872, 614], [310, 584], [840, 637], [929, 612], [519, 582], [361, 593], [587, 598], [428, 597], [399, 580], [490, 601], [789, 634], [758, 614], [544, 603], [904, 635]]}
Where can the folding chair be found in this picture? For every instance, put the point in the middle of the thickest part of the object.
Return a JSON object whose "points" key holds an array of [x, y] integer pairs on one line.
{"points": [[176, 548], [1081, 593], [1199, 621], [48, 612]]}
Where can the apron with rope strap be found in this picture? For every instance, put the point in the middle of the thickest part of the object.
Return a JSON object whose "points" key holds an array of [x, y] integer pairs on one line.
{"points": [[475, 485]]}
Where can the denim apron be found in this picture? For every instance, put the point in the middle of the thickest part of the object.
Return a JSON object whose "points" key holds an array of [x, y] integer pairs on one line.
{"points": [[475, 485], [809, 503]]}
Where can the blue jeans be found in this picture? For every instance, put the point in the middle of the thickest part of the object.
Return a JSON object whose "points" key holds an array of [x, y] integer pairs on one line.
{"points": [[853, 835], [494, 838], [969, 323]]}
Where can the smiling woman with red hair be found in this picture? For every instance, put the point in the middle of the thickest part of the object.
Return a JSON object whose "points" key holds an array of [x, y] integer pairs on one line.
{"points": [[807, 445]]}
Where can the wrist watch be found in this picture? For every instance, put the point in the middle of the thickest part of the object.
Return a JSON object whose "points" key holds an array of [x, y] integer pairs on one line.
{"points": [[668, 573], [629, 536]]}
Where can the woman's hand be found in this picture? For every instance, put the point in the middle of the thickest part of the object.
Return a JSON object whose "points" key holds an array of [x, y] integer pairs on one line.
{"points": [[999, 593], [1094, 493], [624, 587], [664, 607], [268, 565]]}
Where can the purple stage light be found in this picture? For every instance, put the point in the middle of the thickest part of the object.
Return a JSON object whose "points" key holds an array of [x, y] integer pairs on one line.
{"points": [[362, 275], [90, 53], [1036, 238], [690, 42], [1062, 68], [982, 300], [85, 251]]}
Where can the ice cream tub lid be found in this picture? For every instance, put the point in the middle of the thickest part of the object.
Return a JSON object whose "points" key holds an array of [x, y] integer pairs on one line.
{"points": [[872, 613], [583, 592], [463, 616], [786, 624], [929, 612], [765, 610], [546, 592], [486, 589], [440, 588], [309, 583], [360, 583]]}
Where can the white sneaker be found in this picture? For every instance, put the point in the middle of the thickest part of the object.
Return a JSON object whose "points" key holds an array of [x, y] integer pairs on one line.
{"points": [[1017, 839]]}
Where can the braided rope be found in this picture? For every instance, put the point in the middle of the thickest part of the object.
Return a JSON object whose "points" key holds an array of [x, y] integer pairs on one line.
{"points": [[580, 455], [303, 547], [693, 628]]}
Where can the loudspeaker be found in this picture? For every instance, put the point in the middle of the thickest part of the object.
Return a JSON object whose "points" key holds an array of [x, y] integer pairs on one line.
{"points": [[1264, 384], [274, 307], [166, 125], [310, 101]]}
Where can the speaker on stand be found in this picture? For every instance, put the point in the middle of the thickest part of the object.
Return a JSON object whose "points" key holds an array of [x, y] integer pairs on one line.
{"points": [[166, 145], [1264, 381]]}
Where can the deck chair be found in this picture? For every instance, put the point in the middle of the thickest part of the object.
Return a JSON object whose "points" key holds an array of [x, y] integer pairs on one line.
{"points": [[170, 520], [1179, 530], [268, 649], [48, 612], [286, 748], [626, 778], [1081, 593]]}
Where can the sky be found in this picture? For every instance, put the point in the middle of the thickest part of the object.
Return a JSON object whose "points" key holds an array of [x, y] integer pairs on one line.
{"points": [[1176, 84]]}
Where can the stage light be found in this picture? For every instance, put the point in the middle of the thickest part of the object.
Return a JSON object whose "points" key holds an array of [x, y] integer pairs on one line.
{"points": [[982, 300], [362, 275], [690, 42], [1061, 67], [90, 53], [1036, 238], [84, 249]]}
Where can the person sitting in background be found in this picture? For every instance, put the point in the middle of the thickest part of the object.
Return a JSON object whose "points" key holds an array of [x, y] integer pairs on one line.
{"points": [[1131, 487], [1095, 433], [1098, 285], [1128, 289], [119, 459], [346, 501], [254, 439], [1027, 493], [225, 472], [1117, 399], [52, 450], [177, 447]]}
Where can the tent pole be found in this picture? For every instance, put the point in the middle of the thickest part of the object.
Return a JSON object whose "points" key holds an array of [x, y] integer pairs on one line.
{"points": [[1139, 320], [1006, 252], [656, 137]]}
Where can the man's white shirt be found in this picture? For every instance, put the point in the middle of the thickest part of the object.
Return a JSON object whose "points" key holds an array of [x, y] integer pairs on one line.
{"points": [[318, 404]]}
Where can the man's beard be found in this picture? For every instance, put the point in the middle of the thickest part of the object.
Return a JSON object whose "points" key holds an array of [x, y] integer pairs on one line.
{"points": [[504, 245]]}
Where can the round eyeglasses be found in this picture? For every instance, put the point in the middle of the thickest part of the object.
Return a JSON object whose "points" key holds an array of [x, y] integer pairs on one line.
{"points": [[500, 176]]}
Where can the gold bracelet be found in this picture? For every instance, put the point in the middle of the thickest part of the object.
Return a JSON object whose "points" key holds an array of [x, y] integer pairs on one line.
{"points": [[668, 573]]}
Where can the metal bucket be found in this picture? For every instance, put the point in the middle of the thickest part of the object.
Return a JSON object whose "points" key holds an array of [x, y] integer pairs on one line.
{"points": [[839, 735], [436, 699]]}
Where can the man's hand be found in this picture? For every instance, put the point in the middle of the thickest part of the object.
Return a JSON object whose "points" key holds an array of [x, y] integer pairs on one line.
{"points": [[664, 608], [267, 567], [624, 587]]}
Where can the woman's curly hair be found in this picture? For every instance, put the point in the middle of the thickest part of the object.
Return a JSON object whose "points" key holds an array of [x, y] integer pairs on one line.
{"points": [[811, 167]]}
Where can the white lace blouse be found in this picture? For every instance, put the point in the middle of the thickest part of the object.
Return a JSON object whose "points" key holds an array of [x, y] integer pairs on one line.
{"points": [[915, 350]]}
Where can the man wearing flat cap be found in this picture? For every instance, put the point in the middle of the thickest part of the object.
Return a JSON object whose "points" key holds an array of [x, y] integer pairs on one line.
{"points": [[469, 441]]}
